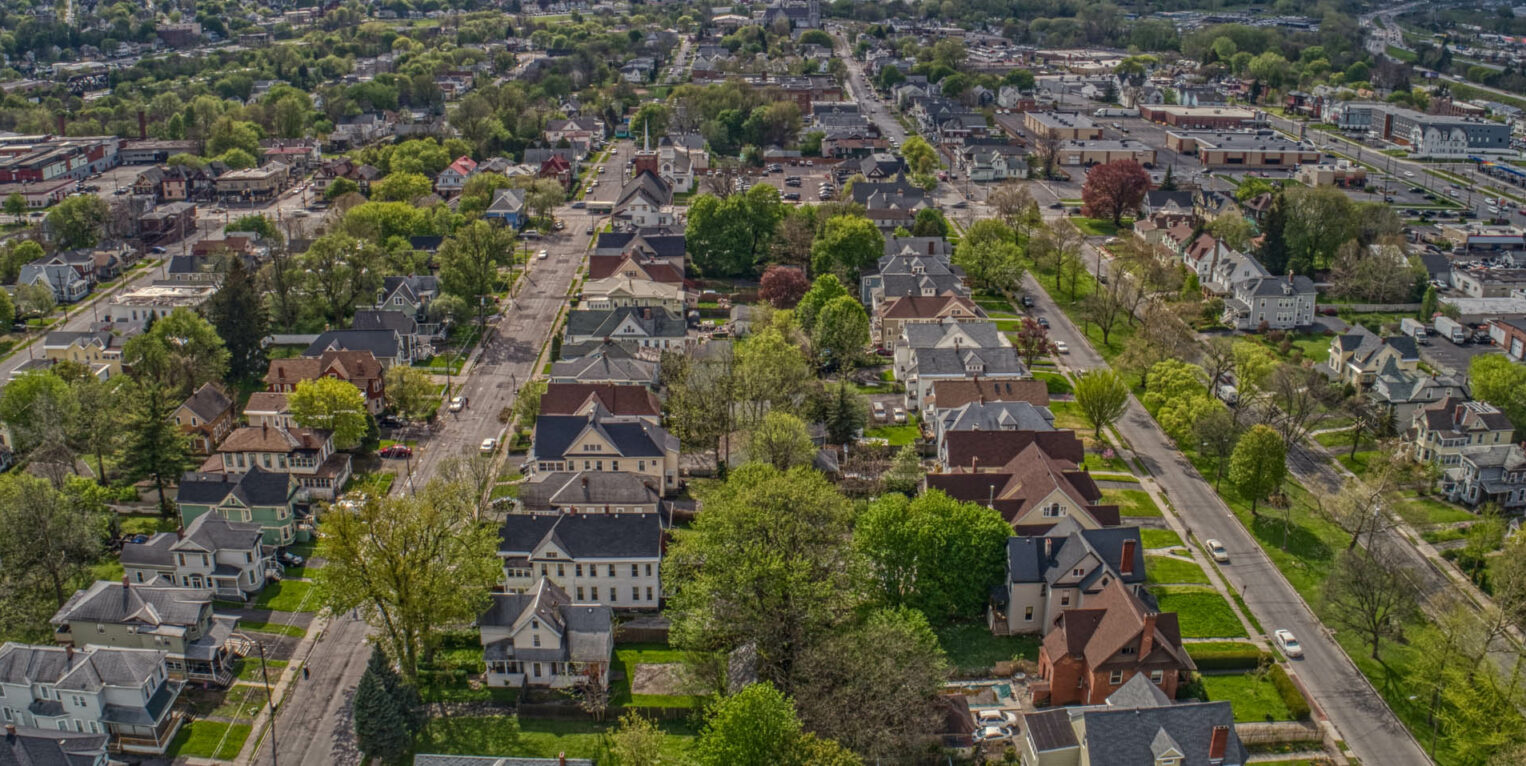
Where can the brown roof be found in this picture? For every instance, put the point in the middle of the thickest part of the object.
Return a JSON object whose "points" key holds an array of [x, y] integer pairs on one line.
{"points": [[266, 401], [950, 394], [991, 449], [569, 398], [209, 402], [274, 439], [1024, 480], [601, 266], [1115, 619], [928, 307], [234, 244], [351, 366]]}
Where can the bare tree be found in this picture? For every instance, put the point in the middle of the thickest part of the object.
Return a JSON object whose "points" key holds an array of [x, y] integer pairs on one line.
{"points": [[1299, 398], [1046, 146], [1106, 307], [1357, 508], [1217, 358], [1015, 206], [723, 182], [590, 691], [1369, 591], [474, 471]]}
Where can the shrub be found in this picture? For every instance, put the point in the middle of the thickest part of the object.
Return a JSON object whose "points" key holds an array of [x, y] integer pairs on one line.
{"points": [[1247, 657], [1290, 694]]}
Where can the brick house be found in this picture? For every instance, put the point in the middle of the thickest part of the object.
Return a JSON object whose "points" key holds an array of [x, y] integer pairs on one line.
{"points": [[359, 368], [1094, 650]]}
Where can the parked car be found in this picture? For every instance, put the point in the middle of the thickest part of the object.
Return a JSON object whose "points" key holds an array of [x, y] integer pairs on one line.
{"points": [[996, 718], [1287, 643], [1060, 347], [289, 559], [489, 445], [396, 451], [899, 415], [1028, 301], [541, 255], [590, 229], [1216, 550], [879, 410], [992, 733], [1044, 323], [458, 403]]}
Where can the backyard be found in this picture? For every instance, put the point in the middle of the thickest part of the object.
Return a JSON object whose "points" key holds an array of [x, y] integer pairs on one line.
{"points": [[650, 668], [1170, 570], [972, 648], [1131, 502], [507, 736], [1253, 696]]}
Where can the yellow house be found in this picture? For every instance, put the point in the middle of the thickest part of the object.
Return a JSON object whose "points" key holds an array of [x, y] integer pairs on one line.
{"points": [[100, 351]]}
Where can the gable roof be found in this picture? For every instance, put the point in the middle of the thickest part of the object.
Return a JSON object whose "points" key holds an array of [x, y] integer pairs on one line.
{"points": [[560, 489], [583, 535], [1045, 558], [655, 270], [947, 394], [119, 603], [347, 365], [382, 344], [208, 403], [28, 746], [619, 400], [928, 307], [654, 322], [554, 435], [268, 438], [209, 533], [86, 669], [256, 487], [1115, 619]]}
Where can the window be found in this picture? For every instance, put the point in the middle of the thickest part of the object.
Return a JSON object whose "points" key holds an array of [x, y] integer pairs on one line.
{"points": [[534, 624], [595, 591], [535, 639], [542, 570], [648, 593], [593, 570], [1064, 599], [1077, 572], [635, 593], [577, 570], [1115, 678], [611, 570], [561, 570], [614, 593], [580, 593], [1156, 676], [648, 570], [537, 670], [1028, 614], [635, 570]]}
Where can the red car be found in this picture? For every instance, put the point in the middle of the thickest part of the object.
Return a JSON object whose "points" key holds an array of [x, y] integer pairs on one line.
{"points": [[397, 451]]}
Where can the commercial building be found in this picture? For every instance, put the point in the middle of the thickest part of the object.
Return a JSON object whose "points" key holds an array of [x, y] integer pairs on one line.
{"points": [[44, 158], [1198, 117], [1104, 151], [1260, 149], [156, 300], [1066, 126], [1436, 135], [252, 184]]}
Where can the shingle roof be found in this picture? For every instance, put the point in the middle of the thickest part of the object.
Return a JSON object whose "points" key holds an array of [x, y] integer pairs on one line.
{"points": [[42, 747], [583, 488], [603, 367], [1118, 736], [209, 402], [997, 416], [399, 322], [1113, 619], [586, 629], [627, 400], [955, 393], [1046, 558], [1050, 730], [968, 334], [257, 487], [267, 438], [110, 602], [426, 759], [964, 362], [382, 344], [583, 535], [89, 668]]}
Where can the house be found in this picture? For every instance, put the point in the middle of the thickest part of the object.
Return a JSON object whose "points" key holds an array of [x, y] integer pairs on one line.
{"points": [[600, 558], [256, 496], [646, 247], [29, 746], [1275, 303], [410, 294], [211, 552], [1138, 724], [168, 618], [66, 283], [928, 353], [306, 454], [544, 638], [951, 394], [414, 337], [134, 308], [645, 200], [1060, 570], [100, 352], [992, 416], [1399, 394], [589, 492], [635, 327], [1093, 650], [621, 292], [1441, 431], [920, 309], [592, 443], [907, 273], [126, 694], [1488, 474], [207, 416], [267, 408], [389, 347], [358, 368], [610, 402], [508, 208], [1358, 357], [585, 130], [1031, 477], [638, 267], [610, 363], [453, 178]]}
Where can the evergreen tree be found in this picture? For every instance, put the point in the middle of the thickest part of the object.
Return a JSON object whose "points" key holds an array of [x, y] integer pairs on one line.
{"points": [[1429, 304], [383, 719], [238, 315], [156, 447], [1274, 246], [1169, 182]]}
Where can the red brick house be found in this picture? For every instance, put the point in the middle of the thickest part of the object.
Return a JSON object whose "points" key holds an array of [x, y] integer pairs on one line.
{"points": [[359, 368], [557, 167], [1094, 650]]}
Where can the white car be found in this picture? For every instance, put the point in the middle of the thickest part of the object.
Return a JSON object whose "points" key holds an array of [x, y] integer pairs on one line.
{"points": [[1287, 643], [1409, 174], [996, 718], [488, 445], [992, 733], [1060, 347], [879, 410], [541, 255], [899, 415], [457, 404], [1216, 550]]}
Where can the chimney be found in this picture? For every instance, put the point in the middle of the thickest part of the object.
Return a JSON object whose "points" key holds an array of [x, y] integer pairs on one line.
{"points": [[1218, 743], [1147, 635], [68, 655], [142, 126], [1048, 547], [561, 759], [1126, 559], [10, 732], [126, 583]]}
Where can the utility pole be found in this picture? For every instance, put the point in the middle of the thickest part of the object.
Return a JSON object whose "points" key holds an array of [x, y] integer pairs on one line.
{"points": [[269, 701]]}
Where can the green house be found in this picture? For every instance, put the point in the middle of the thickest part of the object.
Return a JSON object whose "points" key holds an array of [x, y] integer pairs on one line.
{"points": [[259, 496]]}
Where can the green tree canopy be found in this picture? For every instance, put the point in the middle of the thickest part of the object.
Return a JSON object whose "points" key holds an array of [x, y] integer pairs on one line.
{"points": [[934, 554]]}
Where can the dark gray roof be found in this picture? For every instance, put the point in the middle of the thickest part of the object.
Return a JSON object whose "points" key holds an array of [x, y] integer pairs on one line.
{"points": [[209, 402], [900, 285], [612, 368], [1050, 730], [951, 361], [1118, 737], [411, 286], [554, 434], [563, 488], [258, 487], [116, 603], [1138, 691], [1068, 544], [587, 630], [1271, 287], [925, 335], [394, 321], [1156, 199], [653, 322], [155, 552], [584, 535], [42, 747], [938, 245], [998, 416], [88, 670], [383, 344]]}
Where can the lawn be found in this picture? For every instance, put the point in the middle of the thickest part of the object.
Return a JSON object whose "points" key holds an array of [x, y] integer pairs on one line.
{"points": [[1096, 462], [1357, 463], [1203, 613], [1067, 416], [1097, 227], [1159, 538], [249, 670], [896, 436], [505, 736], [1253, 697], [241, 703], [1073, 307], [1131, 502], [1169, 570], [1057, 384], [295, 631], [376, 484], [628, 657], [288, 596], [1425, 511], [147, 524], [209, 739], [971, 647], [453, 675]]}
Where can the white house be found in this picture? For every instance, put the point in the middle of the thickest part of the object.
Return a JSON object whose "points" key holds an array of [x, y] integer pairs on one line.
{"points": [[212, 552], [543, 638], [1282, 303], [126, 694]]}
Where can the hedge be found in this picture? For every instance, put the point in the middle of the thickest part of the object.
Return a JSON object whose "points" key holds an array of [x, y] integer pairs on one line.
{"points": [[1239, 657], [1056, 383], [1291, 696]]}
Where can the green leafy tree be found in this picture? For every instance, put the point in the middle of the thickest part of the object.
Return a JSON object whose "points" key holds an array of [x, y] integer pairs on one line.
{"points": [[847, 244], [40, 410], [15, 205], [259, 224], [527, 401], [383, 721], [180, 351], [920, 156], [1501, 383], [101, 433], [18, 253], [728, 591], [842, 331], [52, 535], [331, 404], [771, 374], [338, 270], [933, 553], [1319, 221], [757, 726], [842, 411], [782, 441], [410, 392], [637, 741], [237, 159], [992, 264], [731, 237], [412, 565], [905, 473], [402, 187], [929, 223], [78, 221], [469, 264], [156, 448], [238, 316], [1430, 304], [1274, 243], [1102, 397], [824, 290], [339, 187], [1258, 464]]}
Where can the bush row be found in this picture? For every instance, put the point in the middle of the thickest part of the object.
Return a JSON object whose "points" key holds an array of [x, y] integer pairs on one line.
{"points": [[1290, 694]]}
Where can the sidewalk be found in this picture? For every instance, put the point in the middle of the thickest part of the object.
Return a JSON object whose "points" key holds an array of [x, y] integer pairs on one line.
{"points": [[284, 685]]}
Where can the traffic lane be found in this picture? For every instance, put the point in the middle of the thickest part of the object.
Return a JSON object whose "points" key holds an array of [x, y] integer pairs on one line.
{"points": [[314, 725]]}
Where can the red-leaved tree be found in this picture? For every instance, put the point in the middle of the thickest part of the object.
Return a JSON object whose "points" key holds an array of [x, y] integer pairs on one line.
{"points": [[783, 286], [1114, 189]]}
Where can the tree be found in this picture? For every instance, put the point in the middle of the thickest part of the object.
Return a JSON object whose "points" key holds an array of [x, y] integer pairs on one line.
{"points": [[824, 290], [156, 447], [101, 433], [872, 687], [846, 245], [402, 187], [636, 741], [1501, 383], [238, 317], [992, 264], [469, 263], [934, 554], [40, 411], [905, 473], [840, 410], [1217, 432], [339, 269], [52, 534], [338, 188], [15, 205], [527, 400], [783, 286], [1014, 206], [331, 404], [1102, 397], [920, 156], [929, 223], [1430, 304], [1031, 341], [1302, 396], [34, 301], [1368, 591], [1233, 229], [412, 565], [1114, 188], [701, 405], [410, 393], [727, 591], [384, 722], [841, 331], [782, 441], [1106, 307], [730, 237], [756, 726], [78, 221], [771, 375], [1258, 464], [1319, 220], [1274, 245], [180, 351]]}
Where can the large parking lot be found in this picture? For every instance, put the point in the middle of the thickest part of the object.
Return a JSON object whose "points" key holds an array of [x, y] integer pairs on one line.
{"points": [[810, 179]]}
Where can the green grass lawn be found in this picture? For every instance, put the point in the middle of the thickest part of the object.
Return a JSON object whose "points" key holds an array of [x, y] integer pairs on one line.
{"points": [[1253, 697], [249, 669], [1056, 382], [454, 673], [209, 739], [241, 703], [1168, 570], [1159, 538], [1203, 613], [1067, 416], [1073, 304], [505, 736], [288, 596], [1424, 511], [628, 657], [897, 436], [1096, 462], [147, 524], [1131, 502], [971, 647], [249, 626], [375, 484], [1098, 227]]}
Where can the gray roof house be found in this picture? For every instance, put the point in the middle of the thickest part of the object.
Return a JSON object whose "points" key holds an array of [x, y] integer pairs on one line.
{"points": [[603, 363], [1057, 571], [211, 552], [1492, 474], [66, 283], [1281, 303], [589, 492], [411, 294], [927, 366], [1137, 725], [910, 272], [165, 617], [543, 638], [608, 558], [590, 443], [388, 346], [40, 747], [636, 327], [993, 416], [126, 694]]}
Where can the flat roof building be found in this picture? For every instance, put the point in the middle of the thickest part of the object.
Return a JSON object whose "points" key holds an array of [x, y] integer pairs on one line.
{"points": [[1105, 151], [1067, 126], [1259, 149], [1198, 117], [158, 300]]}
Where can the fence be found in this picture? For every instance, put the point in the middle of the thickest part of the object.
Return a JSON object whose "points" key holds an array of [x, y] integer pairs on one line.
{"points": [[1279, 733]]}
